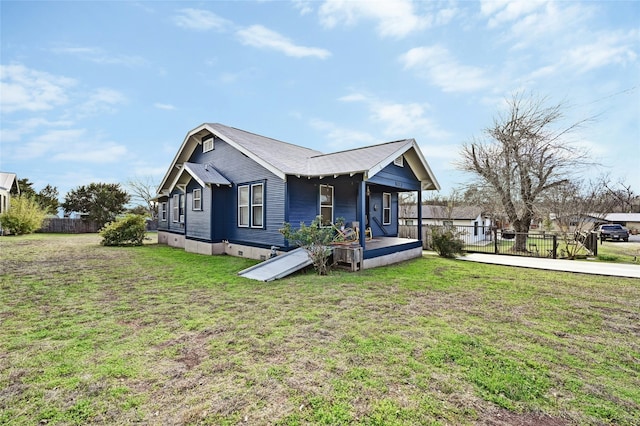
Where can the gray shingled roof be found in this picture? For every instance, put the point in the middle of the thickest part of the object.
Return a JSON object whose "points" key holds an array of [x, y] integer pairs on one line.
{"points": [[284, 158], [296, 160], [206, 174], [288, 158], [441, 212]]}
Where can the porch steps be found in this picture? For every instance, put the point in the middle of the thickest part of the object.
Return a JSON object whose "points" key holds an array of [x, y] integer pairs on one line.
{"points": [[279, 266]]}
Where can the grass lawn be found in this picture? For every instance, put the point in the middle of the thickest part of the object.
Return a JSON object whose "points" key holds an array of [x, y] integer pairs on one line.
{"points": [[154, 335]]}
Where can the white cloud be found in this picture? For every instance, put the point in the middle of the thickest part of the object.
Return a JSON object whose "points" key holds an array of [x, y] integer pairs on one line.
{"points": [[167, 107], [439, 67], [406, 121], [200, 20], [608, 48], [342, 138], [395, 18], [399, 120], [507, 11], [100, 56], [26, 89], [261, 37], [95, 153], [28, 126], [101, 100], [304, 6]]}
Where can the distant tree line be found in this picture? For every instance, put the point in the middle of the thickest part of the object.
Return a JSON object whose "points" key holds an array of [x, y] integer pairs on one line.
{"points": [[98, 202]]}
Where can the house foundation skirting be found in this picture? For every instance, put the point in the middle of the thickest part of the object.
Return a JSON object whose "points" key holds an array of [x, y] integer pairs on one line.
{"points": [[391, 258], [209, 248], [171, 239]]}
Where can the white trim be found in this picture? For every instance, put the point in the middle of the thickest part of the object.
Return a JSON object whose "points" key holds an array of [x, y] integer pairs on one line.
{"points": [[252, 205], [332, 205], [384, 196], [208, 144], [175, 208], [197, 199], [247, 206]]}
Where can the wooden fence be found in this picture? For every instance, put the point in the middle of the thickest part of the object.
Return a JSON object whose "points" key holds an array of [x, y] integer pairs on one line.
{"points": [[68, 226], [411, 231]]}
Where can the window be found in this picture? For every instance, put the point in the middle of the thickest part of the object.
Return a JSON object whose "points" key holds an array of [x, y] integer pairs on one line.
{"points": [[243, 206], [176, 207], [399, 161], [251, 205], [163, 211], [207, 144], [326, 204], [386, 208], [181, 208], [257, 205], [197, 199]]}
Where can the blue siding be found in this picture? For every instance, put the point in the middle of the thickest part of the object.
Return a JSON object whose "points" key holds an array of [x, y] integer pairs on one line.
{"points": [[394, 176], [239, 170], [304, 198], [199, 223]]}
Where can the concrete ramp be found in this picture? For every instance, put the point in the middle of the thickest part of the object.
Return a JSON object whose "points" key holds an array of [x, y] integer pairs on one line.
{"points": [[279, 266]]}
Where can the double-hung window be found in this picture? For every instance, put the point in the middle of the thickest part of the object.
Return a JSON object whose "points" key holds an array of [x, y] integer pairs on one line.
{"points": [[163, 211], [243, 206], [197, 199], [386, 208], [251, 205], [257, 205], [326, 204], [176, 207]]}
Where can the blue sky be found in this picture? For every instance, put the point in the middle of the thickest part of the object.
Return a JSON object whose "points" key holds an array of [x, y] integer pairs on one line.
{"points": [[106, 91]]}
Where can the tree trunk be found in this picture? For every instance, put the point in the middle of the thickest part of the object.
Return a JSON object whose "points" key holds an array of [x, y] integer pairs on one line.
{"points": [[522, 233]]}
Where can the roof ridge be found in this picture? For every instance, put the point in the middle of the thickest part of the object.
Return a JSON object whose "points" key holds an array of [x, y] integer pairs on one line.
{"points": [[362, 147], [264, 137]]}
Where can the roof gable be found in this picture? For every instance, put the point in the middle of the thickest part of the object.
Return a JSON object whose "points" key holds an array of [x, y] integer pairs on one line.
{"points": [[282, 158]]}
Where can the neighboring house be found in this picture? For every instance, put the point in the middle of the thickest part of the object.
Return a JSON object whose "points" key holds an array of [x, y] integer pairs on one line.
{"points": [[474, 224], [8, 184], [230, 191], [631, 221]]}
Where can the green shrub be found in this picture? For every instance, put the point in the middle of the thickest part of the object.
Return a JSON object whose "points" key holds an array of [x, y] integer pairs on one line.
{"points": [[24, 216], [446, 242], [126, 231], [316, 240]]}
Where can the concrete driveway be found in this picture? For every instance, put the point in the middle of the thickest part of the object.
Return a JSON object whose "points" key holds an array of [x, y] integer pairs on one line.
{"points": [[576, 266]]}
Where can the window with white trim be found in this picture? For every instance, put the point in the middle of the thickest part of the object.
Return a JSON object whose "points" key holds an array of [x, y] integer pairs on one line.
{"points": [[163, 212], [197, 199], [207, 144], [326, 204], [176, 207], [243, 206], [386, 208], [182, 202], [257, 205], [399, 161]]}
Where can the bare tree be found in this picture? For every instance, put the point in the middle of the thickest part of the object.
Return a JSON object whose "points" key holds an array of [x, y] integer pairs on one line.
{"points": [[575, 208], [523, 156], [622, 196], [142, 190]]}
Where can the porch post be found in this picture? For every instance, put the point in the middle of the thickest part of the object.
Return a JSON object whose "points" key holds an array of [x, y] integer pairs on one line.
{"points": [[362, 194], [419, 208]]}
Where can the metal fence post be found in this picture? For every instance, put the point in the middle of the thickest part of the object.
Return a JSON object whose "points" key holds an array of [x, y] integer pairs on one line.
{"points": [[555, 246], [495, 240]]}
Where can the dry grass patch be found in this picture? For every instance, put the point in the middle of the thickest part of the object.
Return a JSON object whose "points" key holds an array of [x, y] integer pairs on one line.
{"points": [[101, 335]]}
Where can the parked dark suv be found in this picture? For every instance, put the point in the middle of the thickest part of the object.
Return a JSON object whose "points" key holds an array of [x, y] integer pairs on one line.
{"points": [[612, 231]]}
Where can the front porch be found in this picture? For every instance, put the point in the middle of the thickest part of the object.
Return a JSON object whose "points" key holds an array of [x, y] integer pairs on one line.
{"points": [[379, 251]]}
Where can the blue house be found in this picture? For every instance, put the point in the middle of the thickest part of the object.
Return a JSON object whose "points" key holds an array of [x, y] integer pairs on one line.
{"points": [[229, 191]]}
